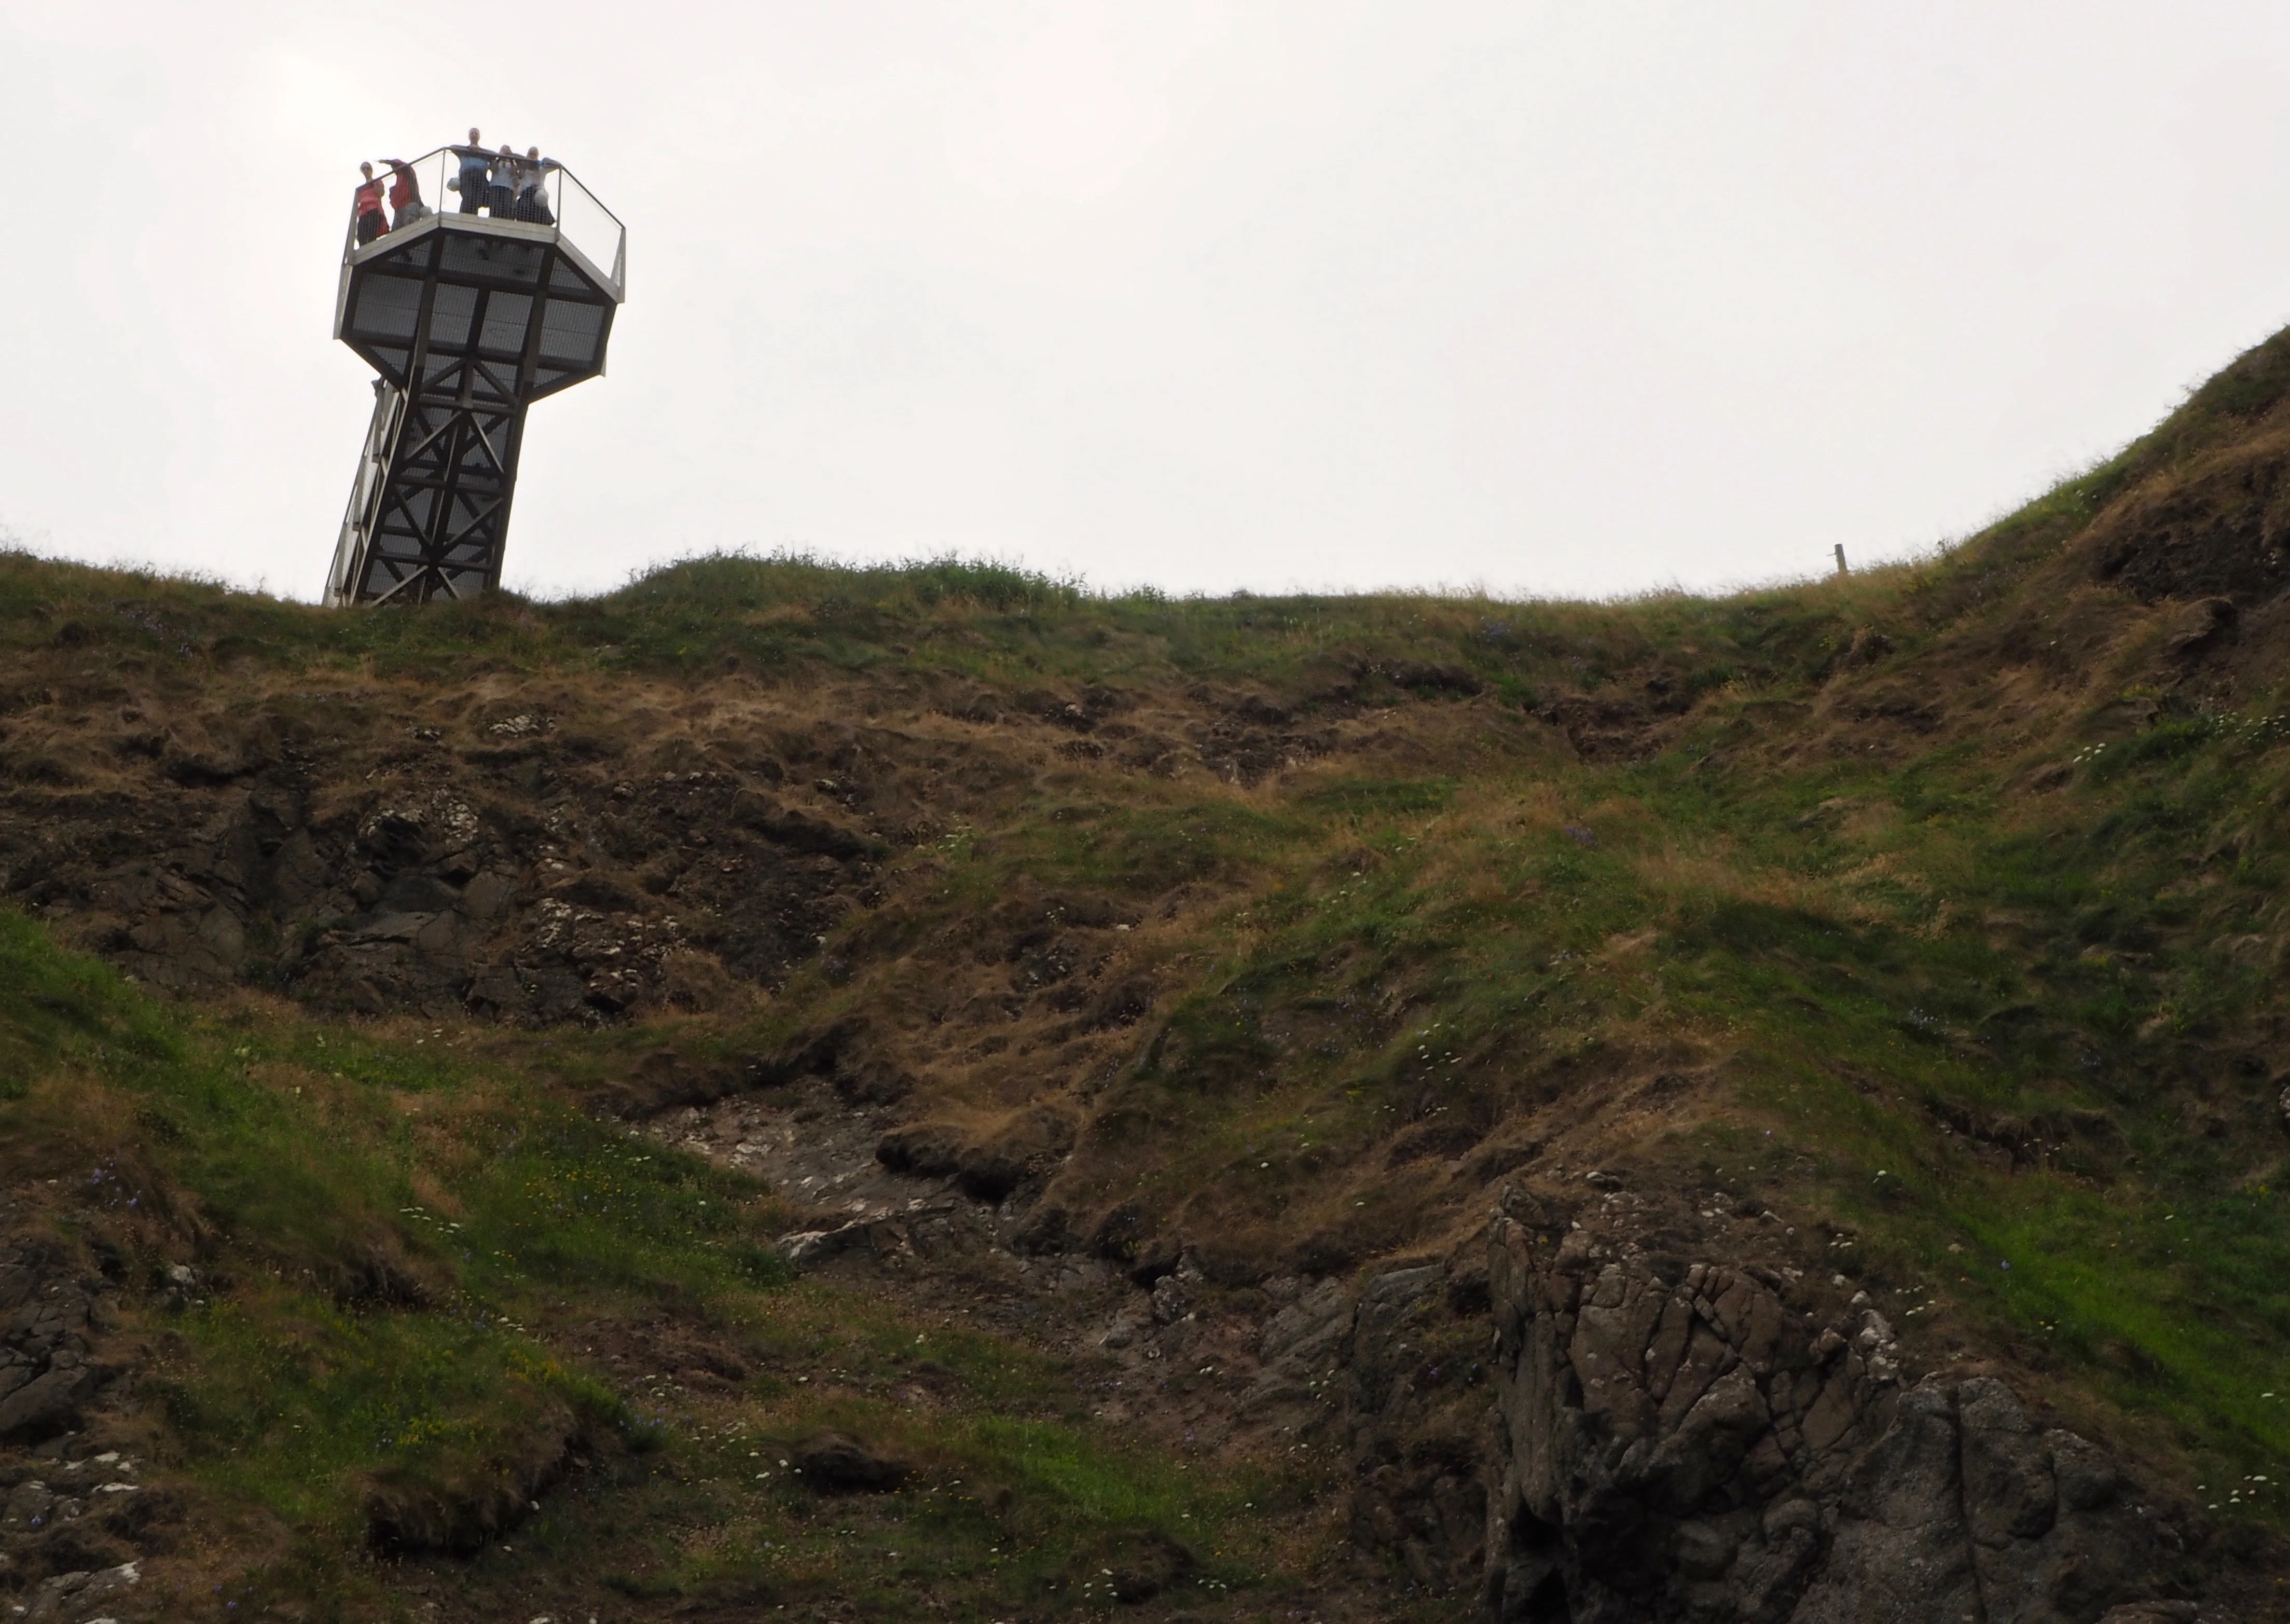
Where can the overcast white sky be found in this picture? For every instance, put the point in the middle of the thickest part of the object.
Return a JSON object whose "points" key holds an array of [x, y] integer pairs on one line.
{"points": [[1554, 299]]}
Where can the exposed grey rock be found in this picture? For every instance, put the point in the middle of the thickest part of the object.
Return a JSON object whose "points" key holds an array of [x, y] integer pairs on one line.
{"points": [[483, 880], [1694, 1449], [1300, 1344], [807, 1247], [47, 1405], [27, 1508], [1414, 1420], [53, 1596], [109, 1581], [1122, 1333], [45, 1369], [1174, 1298], [1308, 1329], [73, 1595], [919, 1227]]}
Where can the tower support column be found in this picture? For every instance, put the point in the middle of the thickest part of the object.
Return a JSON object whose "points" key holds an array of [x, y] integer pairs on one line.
{"points": [[429, 510]]}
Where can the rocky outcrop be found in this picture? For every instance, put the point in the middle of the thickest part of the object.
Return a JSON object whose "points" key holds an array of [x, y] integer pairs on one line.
{"points": [[320, 850], [1392, 1371], [1416, 1403], [80, 1594], [45, 1365], [1700, 1442], [77, 1516]]}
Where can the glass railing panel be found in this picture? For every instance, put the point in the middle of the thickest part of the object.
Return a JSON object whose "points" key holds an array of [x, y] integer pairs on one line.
{"points": [[587, 225], [558, 202], [429, 173]]}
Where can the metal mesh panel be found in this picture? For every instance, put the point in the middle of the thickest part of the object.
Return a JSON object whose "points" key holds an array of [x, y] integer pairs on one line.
{"points": [[388, 307], [507, 318], [450, 311], [568, 332]]}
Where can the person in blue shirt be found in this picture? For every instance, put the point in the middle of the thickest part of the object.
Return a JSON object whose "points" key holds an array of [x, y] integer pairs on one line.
{"points": [[471, 181]]}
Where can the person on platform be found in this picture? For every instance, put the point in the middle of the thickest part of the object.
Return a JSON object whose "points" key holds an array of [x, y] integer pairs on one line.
{"points": [[501, 191], [471, 183], [405, 195], [531, 195], [371, 222]]}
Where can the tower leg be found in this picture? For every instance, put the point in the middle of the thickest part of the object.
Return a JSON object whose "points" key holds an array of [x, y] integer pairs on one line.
{"points": [[430, 512], [365, 495]]}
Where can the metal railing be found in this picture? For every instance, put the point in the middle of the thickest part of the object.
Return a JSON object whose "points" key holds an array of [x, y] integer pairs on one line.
{"points": [[496, 186]]}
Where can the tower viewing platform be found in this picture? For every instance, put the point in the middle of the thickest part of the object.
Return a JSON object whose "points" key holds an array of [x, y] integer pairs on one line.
{"points": [[491, 283]]}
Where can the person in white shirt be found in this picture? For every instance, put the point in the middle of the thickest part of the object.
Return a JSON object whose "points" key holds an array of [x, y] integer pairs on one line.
{"points": [[531, 195], [501, 189]]}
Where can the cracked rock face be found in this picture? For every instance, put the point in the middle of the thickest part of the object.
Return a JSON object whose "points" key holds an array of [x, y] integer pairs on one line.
{"points": [[321, 851], [76, 1520], [81, 1594], [1684, 1442], [44, 1366], [1413, 1396]]}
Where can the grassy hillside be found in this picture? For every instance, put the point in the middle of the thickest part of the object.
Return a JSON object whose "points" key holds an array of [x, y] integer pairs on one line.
{"points": [[1929, 916], [422, 1280]]}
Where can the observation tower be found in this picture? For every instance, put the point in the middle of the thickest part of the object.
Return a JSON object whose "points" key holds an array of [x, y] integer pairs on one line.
{"points": [[469, 312]]}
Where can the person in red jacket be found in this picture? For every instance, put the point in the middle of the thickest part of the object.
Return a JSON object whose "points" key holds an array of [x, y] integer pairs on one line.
{"points": [[405, 195], [371, 222]]}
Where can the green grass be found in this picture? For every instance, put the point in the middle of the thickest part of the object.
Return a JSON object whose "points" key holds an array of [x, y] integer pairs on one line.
{"points": [[787, 614], [405, 1250], [287, 1398]]}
